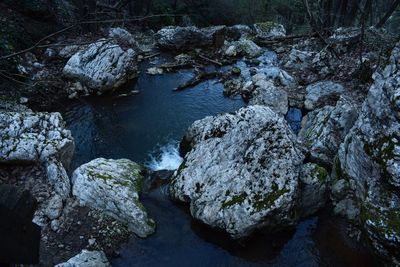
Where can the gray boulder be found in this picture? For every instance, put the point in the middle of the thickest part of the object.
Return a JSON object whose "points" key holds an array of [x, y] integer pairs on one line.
{"points": [[323, 130], [241, 172], [113, 186], [267, 94], [369, 159], [102, 66], [188, 38], [87, 259], [123, 37], [243, 47], [321, 92]]}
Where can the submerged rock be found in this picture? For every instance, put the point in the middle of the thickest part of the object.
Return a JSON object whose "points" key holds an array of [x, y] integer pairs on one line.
{"points": [[113, 186], [323, 130], [87, 259], [369, 159], [38, 138], [102, 66], [188, 38], [266, 30], [242, 172], [321, 92]]}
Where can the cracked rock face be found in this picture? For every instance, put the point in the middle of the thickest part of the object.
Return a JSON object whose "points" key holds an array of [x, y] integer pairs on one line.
{"points": [[31, 138], [113, 186], [370, 161], [242, 172], [87, 259], [323, 130], [102, 66]]}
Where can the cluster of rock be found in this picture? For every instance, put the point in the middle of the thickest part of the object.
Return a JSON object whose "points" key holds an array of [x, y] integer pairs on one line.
{"points": [[41, 142], [233, 41], [247, 170]]}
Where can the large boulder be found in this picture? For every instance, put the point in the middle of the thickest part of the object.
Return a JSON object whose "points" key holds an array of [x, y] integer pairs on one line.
{"points": [[102, 66], [324, 129], [369, 159], [269, 30], [113, 186], [38, 138], [87, 259], [188, 38], [241, 172], [321, 93]]}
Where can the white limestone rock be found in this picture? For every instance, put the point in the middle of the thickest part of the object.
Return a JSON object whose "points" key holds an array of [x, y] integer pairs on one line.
{"points": [[241, 172], [87, 259]]}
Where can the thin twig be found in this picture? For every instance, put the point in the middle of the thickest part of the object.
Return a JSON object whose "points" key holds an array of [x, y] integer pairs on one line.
{"points": [[211, 60]]}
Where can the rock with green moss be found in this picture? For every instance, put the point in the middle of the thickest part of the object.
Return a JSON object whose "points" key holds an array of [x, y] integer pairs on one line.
{"points": [[370, 160], [113, 186], [242, 47], [242, 172], [314, 180], [324, 129], [269, 29]]}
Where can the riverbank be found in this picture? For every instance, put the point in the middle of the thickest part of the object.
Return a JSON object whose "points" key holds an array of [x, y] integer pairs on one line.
{"points": [[146, 113]]}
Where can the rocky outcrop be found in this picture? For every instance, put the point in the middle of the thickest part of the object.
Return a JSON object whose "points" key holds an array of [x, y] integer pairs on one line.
{"points": [[269, 30], [323, 130], [188, 38], [38, 138], [369, 159], [87, 259], [321, 93], [113, 186], [102, 66], [242, 171]]}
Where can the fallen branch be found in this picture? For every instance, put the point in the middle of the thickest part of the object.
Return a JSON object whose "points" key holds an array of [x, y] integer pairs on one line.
{"points": [[151, 56], [199, 78], [211, 60], [38, 43]]}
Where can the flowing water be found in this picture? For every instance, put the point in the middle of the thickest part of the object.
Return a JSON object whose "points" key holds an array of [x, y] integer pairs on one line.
{"points": [[146, 128]]}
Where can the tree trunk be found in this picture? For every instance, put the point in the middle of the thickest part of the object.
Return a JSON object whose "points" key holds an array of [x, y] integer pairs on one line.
{"points": [[392, 8]]}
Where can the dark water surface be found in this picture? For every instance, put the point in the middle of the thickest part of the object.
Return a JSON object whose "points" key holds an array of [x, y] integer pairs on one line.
{"points": [[146, 128]]}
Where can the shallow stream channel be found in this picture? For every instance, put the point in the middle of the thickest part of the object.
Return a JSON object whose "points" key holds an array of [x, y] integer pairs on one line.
{"points": [[147, 128]]}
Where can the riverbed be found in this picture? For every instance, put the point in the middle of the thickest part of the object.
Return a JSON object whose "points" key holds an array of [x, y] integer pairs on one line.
{"points": [[147, 128]]}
